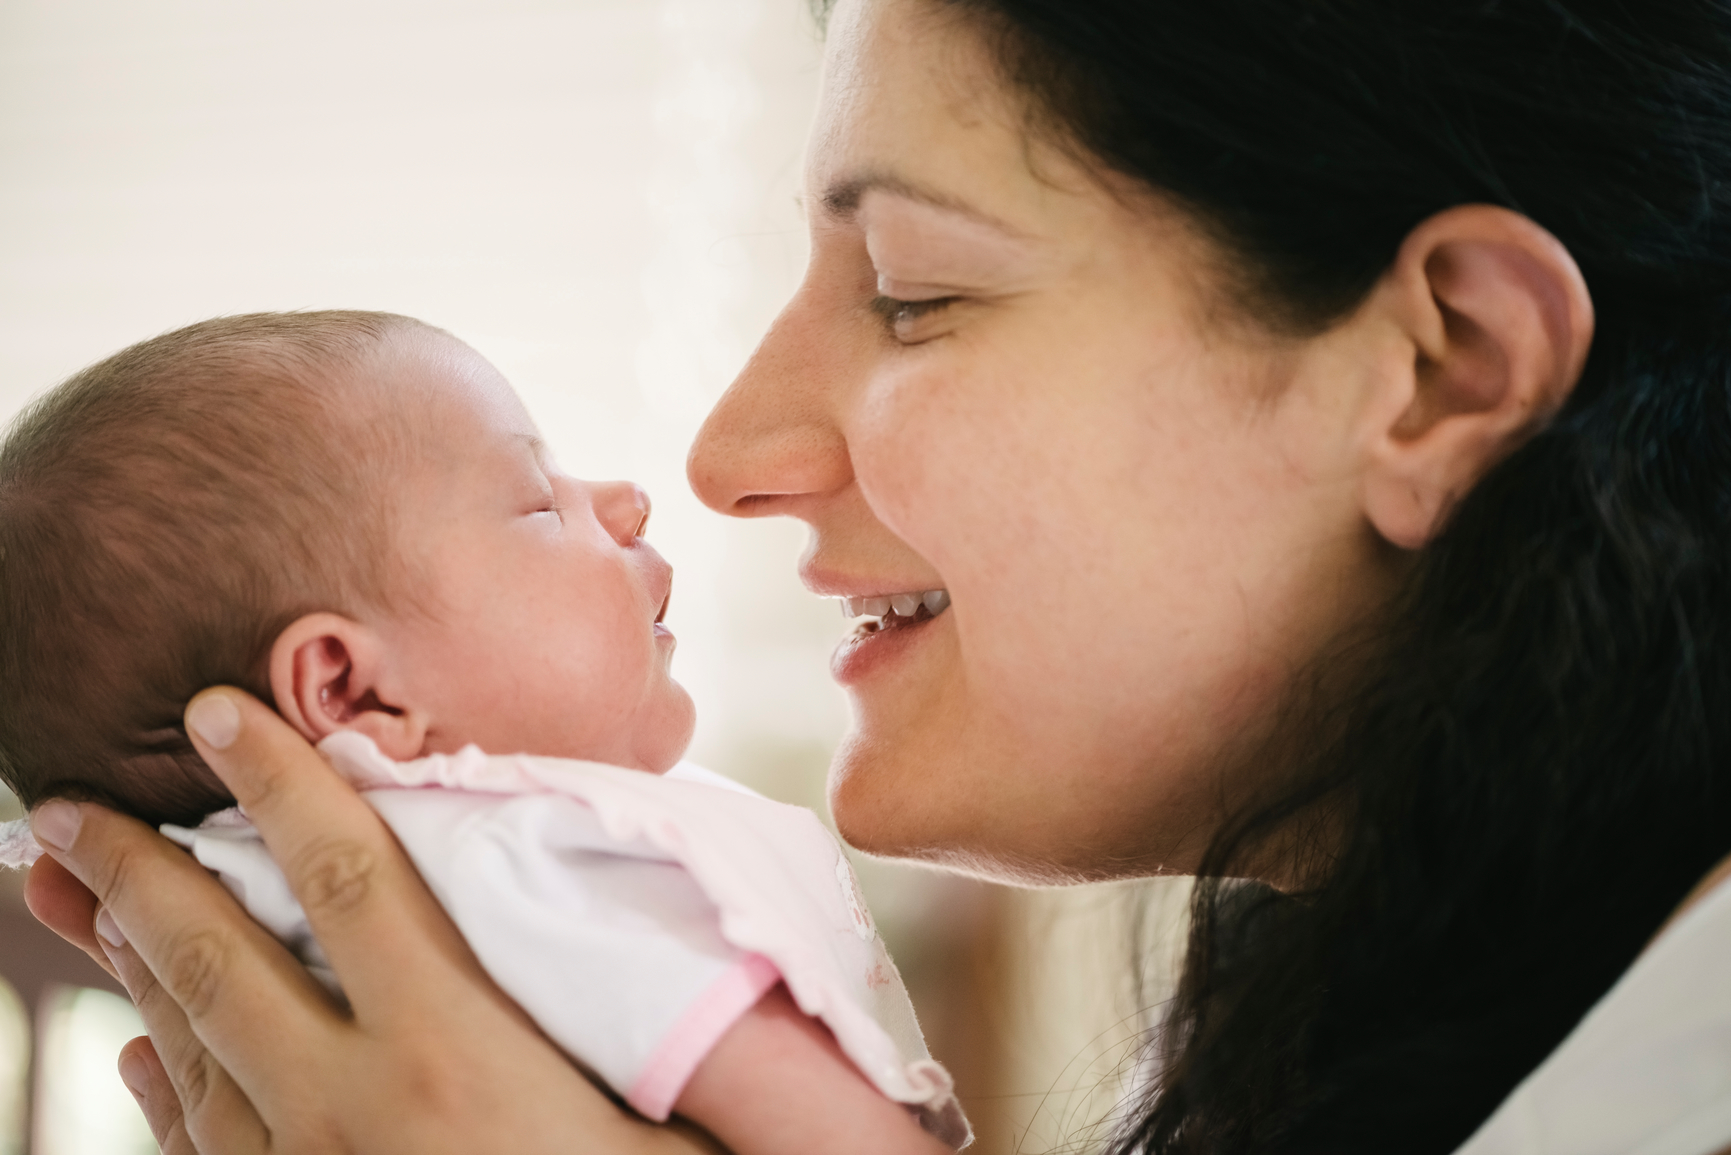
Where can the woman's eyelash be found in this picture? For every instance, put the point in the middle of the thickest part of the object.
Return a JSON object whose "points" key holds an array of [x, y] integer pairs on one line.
{"points": [[895, 311]]}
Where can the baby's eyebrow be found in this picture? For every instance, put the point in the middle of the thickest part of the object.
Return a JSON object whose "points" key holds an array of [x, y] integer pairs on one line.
{"points": [[537, 447], [538, 453]]}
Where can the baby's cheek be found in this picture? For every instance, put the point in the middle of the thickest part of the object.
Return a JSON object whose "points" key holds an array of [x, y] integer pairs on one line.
{"points": [[608, 664]]}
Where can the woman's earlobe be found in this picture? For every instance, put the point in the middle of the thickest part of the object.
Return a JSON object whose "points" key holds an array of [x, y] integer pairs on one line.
{"points": [[1500, 321]]}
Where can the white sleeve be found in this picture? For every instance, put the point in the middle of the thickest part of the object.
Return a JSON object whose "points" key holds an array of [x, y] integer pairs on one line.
{"points": [[610, 946], [236, 854], [1648, 1070]]}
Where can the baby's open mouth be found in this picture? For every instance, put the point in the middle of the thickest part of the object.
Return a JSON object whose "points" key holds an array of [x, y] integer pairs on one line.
{"points": [[893, 611], [662, 612]]}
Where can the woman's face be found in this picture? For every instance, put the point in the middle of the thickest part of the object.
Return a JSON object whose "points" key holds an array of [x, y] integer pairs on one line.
{"points": [[1140, 503]]}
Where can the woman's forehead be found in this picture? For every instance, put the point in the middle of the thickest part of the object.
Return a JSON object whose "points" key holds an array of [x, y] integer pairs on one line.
{"points": [[910, 104], [914, 108]]}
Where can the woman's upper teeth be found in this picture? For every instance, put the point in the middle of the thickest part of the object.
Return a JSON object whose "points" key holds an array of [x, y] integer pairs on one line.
{"points": [[904, 605]]}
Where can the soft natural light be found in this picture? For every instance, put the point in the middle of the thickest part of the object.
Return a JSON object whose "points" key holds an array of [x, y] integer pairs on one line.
{"points": [[82, 1106], [600, 195], [14, 1069]]}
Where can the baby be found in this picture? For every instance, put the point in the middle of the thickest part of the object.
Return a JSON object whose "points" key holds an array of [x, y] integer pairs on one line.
{"points": [[352, 516]]}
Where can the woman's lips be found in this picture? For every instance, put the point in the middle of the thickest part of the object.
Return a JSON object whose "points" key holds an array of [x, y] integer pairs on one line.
{"points": [[877, 642]]}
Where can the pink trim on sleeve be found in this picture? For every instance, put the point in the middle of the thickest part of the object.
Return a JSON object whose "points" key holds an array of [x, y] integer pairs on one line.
{"points": [[695, 1034]]}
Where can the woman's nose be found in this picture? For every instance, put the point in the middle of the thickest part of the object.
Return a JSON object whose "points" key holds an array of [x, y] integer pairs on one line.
{"points": [[622, 508], [772, 438]]}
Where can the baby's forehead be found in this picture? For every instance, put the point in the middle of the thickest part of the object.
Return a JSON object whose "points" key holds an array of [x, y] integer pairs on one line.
{"points": [[442, 396], [454, 384], [453, 454]]}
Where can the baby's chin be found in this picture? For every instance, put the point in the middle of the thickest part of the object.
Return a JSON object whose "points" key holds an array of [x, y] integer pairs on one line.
{"points": [[655, 761], [670, 740], [654, 743]]}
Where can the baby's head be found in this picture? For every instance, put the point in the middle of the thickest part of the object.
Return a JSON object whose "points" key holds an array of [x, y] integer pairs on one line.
{"points": [[348, 514]]}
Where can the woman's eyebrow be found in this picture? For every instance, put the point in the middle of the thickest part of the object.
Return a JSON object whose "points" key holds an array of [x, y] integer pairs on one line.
{"points": [[841, 200]]}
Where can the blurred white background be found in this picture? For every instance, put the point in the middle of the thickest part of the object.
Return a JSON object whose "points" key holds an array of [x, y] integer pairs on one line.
{"points": [[600, 196]]}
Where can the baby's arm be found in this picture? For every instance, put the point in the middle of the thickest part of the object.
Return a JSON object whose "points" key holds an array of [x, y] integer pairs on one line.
{"points": [[777, 1084]]}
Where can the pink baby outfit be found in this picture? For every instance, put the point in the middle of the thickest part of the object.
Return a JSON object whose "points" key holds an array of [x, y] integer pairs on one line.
{"points": [[635, 917]]}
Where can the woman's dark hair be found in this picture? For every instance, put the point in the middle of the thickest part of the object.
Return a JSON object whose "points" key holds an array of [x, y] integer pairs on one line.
{"points": [[1535, 766]]}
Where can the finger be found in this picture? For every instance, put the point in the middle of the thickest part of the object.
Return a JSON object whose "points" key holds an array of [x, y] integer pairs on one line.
{"points": [[389, 941], [142, 1072], [65, 906], [193, 1090], [232, 981]]}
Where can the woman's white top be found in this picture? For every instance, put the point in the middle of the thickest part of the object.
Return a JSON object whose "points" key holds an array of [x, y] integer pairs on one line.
{"points": [[635, 917], [1648, 1070]]}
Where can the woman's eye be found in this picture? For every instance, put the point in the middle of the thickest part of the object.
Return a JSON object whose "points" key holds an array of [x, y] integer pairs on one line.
{"points": [[902, 318]]}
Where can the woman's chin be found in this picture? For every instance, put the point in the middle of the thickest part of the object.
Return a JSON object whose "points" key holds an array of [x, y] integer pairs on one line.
{"points": [[925, 771], [876, 815], [884, 796], [903, 792]]}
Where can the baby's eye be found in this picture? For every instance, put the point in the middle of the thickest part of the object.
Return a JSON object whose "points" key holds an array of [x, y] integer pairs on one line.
{"points": [[902, 318]]}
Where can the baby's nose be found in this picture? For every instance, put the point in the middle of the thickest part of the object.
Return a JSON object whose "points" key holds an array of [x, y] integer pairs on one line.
{"points": [[622, 508]]}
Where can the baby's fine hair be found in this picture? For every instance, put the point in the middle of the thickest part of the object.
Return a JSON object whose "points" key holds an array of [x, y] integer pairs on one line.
{"points": [[164, 514]]}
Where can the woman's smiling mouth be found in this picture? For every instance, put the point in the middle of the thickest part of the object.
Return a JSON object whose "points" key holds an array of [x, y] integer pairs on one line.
{"points": [[888, 624], [887, 611]]}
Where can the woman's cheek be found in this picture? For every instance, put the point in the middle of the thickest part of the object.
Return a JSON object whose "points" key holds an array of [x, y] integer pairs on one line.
{"points": [[934, 449]]}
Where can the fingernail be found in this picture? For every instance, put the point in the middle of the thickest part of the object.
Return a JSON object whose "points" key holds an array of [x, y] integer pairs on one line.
{"points": [[56, 824], [109, 929], [135, 1073], [215, 719]]}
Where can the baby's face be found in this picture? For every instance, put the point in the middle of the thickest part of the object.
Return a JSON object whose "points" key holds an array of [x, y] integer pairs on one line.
{"points": [[541, 631]]}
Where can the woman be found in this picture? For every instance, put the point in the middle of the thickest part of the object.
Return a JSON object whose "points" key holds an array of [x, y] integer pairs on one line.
{"points": [[1228, 365]]}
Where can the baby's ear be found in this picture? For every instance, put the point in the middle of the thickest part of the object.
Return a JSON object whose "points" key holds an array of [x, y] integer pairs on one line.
{"points": [[327, 674]]}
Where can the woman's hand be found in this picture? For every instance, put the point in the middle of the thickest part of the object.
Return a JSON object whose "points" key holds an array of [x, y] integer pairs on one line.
{"points": [[250, 1054]]}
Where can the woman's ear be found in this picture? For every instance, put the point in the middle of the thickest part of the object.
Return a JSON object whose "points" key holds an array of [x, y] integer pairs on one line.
{"points": [[1499, 320], [328, 674]]}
